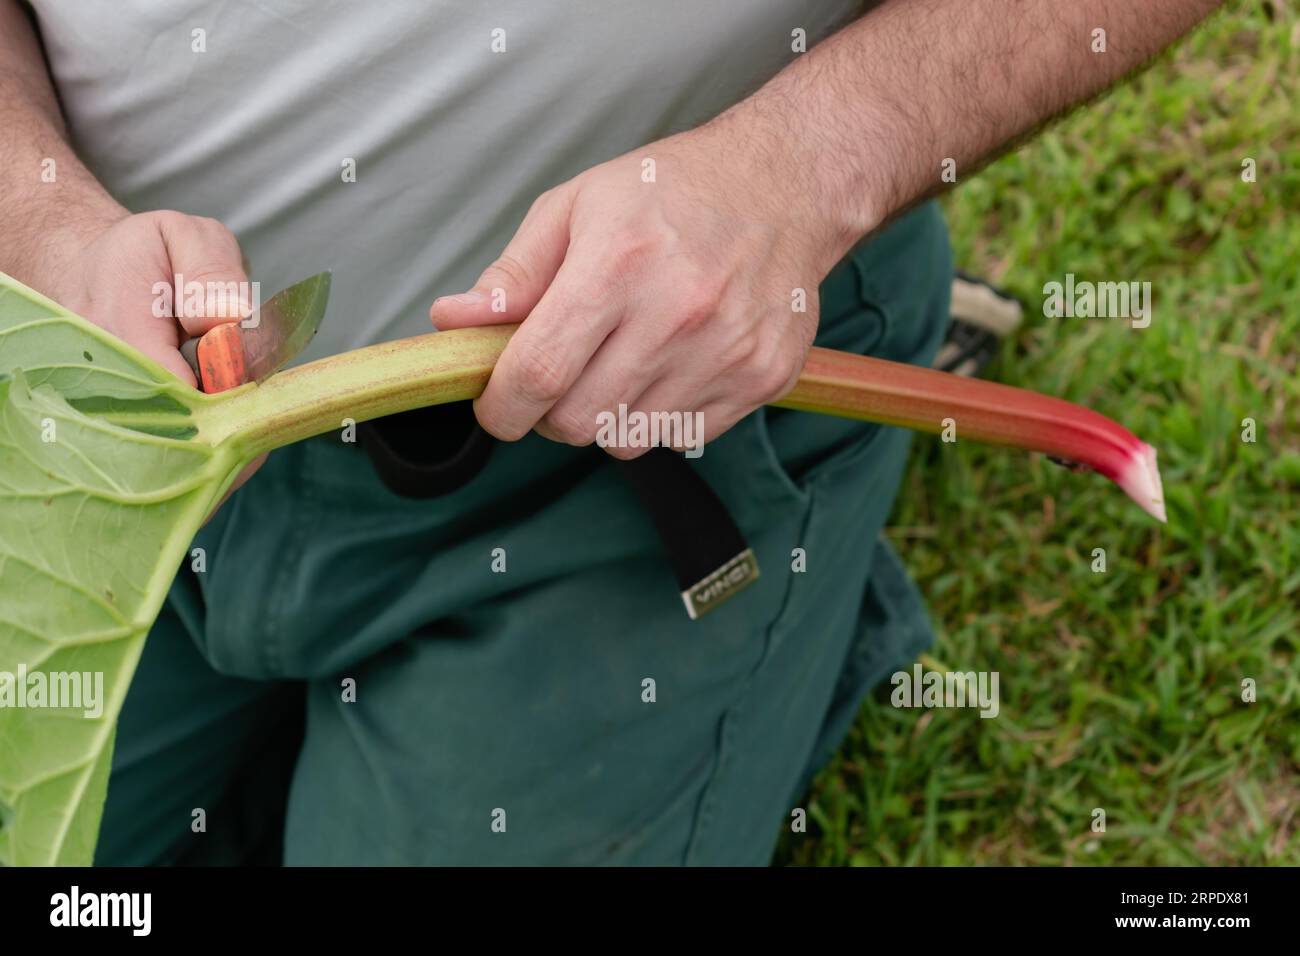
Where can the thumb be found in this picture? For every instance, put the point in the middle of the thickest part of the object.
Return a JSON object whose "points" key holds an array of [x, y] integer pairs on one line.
{"points": [[212, 287], [510, 287]]}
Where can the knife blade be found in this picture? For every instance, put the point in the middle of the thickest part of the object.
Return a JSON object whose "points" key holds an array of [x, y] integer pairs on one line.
{"points": [[233, 353]]}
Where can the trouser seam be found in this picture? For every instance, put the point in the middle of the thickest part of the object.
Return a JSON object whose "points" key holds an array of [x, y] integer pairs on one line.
{"points": [[729, 723], [301, 498]]}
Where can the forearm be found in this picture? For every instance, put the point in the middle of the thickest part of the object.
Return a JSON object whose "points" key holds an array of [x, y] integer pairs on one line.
{"points": [[864, 122], [44, 188]]}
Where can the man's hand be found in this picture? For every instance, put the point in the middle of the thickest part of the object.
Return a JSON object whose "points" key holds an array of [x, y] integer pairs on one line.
{"points": [[62, 234], [679, 294], [109, 271], [67, 238], [681, 277]]}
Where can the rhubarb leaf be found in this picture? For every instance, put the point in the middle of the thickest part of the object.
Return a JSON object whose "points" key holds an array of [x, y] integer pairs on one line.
{"points": [[103, 482], [108, 466]]}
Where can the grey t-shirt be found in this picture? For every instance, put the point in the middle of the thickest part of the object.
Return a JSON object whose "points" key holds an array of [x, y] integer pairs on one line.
{"points": [[454, 115]]}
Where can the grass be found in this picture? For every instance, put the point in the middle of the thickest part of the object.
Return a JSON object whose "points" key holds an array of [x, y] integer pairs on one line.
{"points": [[1120, 690]]}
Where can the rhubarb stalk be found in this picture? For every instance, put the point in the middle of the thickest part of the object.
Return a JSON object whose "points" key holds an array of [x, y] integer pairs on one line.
{"points": [[855, 386], [455, 365]]}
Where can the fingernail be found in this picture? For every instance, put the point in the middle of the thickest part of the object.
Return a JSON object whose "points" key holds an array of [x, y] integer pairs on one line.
{"points": [[464, 298], [222, 304]]}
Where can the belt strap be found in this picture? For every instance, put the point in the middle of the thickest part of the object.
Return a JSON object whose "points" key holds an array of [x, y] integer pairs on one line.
{"points": [[433, 451], [426, 452], [709, 555]]}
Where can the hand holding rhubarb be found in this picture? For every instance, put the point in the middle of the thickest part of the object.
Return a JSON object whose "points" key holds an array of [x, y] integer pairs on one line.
{"points": [[681, 277]]}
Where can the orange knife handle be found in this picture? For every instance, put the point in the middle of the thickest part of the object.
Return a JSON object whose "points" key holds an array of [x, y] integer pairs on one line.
{"points": [[221, 358]]}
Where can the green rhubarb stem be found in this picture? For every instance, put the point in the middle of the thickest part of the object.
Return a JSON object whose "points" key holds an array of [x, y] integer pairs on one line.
{"points": [[356, 386], [454, 366]]}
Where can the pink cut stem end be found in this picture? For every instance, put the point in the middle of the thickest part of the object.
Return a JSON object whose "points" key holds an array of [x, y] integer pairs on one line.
{"points": [[1140, 479]]}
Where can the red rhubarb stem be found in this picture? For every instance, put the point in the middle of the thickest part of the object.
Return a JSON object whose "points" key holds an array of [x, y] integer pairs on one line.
{"points": [[855, 386]]}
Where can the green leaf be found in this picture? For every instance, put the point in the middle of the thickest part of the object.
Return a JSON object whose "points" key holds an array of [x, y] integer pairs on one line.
{"points": [[99, 506], [108, 466]]}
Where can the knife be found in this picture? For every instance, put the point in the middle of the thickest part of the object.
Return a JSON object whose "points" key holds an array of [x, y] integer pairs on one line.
{"points": [[230, 354]]}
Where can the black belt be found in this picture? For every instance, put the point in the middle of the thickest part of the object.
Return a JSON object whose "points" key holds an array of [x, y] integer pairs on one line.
{"points": [[432, 451]]}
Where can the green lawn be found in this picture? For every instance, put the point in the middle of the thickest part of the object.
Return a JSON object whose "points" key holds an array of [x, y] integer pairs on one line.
{"points": [[1120, 690]]}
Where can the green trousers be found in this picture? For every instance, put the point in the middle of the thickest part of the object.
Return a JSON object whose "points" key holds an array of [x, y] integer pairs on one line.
{"points": [[353, 678]]}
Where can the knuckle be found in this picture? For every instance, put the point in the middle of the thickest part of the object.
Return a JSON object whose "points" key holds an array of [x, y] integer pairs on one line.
{"points": [[200, 228], [570, 427], [776, 375], [540, 373], [741, 352], [628, 253], [217, 234], [496, 426], [700, 307], [171, 226], [498, 429], [507, 271], [763, 368], [540, 203], [168, 217], [700, 303]]}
